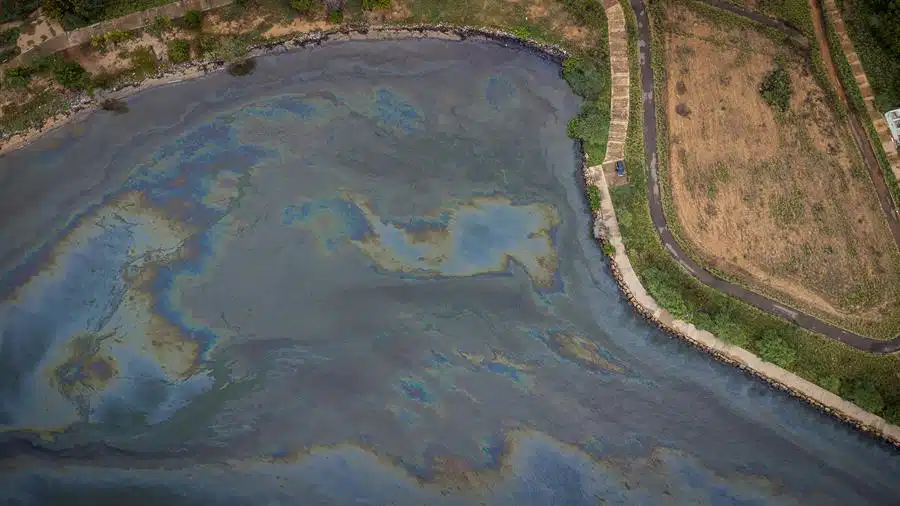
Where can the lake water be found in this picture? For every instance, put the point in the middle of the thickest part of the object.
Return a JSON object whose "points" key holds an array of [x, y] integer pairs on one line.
{"points": [[361, 275]]}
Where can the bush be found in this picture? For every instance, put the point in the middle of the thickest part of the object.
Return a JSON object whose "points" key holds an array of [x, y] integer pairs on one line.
{"points": [[17, 77], [303, 6], [9, 53], [179, 51], [9, 37], [143, 62], [159, 26], [594, 198], [371, 5], [17, 9], [71, 75], [776, 89], [776, 350], [47, 63], [590, 126], [586, 12], [586, 77], [193, 20], [864, 394], [336, 16], [113, 38], [831, 383]]}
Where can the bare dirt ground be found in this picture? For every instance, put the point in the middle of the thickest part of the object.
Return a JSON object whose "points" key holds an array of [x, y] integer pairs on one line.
{"points": [[37, 29], [782, 203]]}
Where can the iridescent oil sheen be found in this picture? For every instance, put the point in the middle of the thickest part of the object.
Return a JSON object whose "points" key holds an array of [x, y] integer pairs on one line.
{"points": [[362, 273]]}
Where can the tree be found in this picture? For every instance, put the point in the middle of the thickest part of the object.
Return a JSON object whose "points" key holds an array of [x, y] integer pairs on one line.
{"points": [[776, 88], [886, 24]]}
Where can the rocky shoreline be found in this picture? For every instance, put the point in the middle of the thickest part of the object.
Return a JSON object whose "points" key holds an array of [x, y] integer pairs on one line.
{"points": [[605, 227]]}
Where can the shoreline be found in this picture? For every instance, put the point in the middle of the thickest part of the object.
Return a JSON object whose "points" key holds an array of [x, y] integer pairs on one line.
{"points": [[605, 226], [82, 105], [606, 231]]}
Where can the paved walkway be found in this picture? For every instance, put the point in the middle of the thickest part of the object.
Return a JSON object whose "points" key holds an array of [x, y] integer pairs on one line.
{"points": [[658, 215], [606, 226]]}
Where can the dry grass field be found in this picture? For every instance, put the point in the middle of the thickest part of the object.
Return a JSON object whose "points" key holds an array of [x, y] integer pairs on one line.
{"points": [[778, 201]]}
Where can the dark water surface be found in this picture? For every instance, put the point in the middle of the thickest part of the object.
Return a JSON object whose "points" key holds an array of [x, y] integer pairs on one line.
{"points": [[361, 275]]}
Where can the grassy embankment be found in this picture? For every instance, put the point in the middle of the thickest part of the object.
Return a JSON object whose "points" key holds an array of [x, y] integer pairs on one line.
{"points": [[867, 380]]}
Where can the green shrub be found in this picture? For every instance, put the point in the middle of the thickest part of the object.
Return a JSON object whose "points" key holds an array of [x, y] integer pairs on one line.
{"points": [[17, 77], [179, 51], [193, 20], [594, 198], [776, 350], [9, 53], [47, 63], [143, 62], [336, 16], [159, 26], [776, 89], [586, 77], [303, 6], [586, 12], [9, 37], [71, 75], [371, 5], [591, 127], [864, 394], [662, 287], [17, 9], [831, 383], [104, 41]]}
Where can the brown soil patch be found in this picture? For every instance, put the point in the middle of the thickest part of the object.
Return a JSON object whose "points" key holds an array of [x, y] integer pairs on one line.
{"points": [[784, 204], [115, 59], [36, 30]]}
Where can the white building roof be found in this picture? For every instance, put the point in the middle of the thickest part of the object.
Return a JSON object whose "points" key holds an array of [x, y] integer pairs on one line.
{"points": [[893, 120]]}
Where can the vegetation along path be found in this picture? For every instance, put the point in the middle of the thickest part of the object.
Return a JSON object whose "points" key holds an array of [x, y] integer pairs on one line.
{"points": [[770, 306]]}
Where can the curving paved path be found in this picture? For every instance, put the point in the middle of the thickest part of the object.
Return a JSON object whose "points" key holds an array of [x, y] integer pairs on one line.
{"points": [[658, 215]]}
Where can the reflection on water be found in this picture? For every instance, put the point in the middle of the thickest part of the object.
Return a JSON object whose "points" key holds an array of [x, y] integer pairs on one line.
{"points": [[334, 282]]}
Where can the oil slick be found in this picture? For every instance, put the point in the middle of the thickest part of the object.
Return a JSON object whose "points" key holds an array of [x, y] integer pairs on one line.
{"points": [[531, 468], [478, 237]]}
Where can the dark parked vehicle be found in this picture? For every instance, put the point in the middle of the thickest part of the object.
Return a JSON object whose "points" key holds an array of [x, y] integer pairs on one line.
{"points": [[620, 168]]}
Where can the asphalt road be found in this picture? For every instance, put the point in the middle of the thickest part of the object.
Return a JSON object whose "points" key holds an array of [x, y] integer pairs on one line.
{"points": [[658, 215]]}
